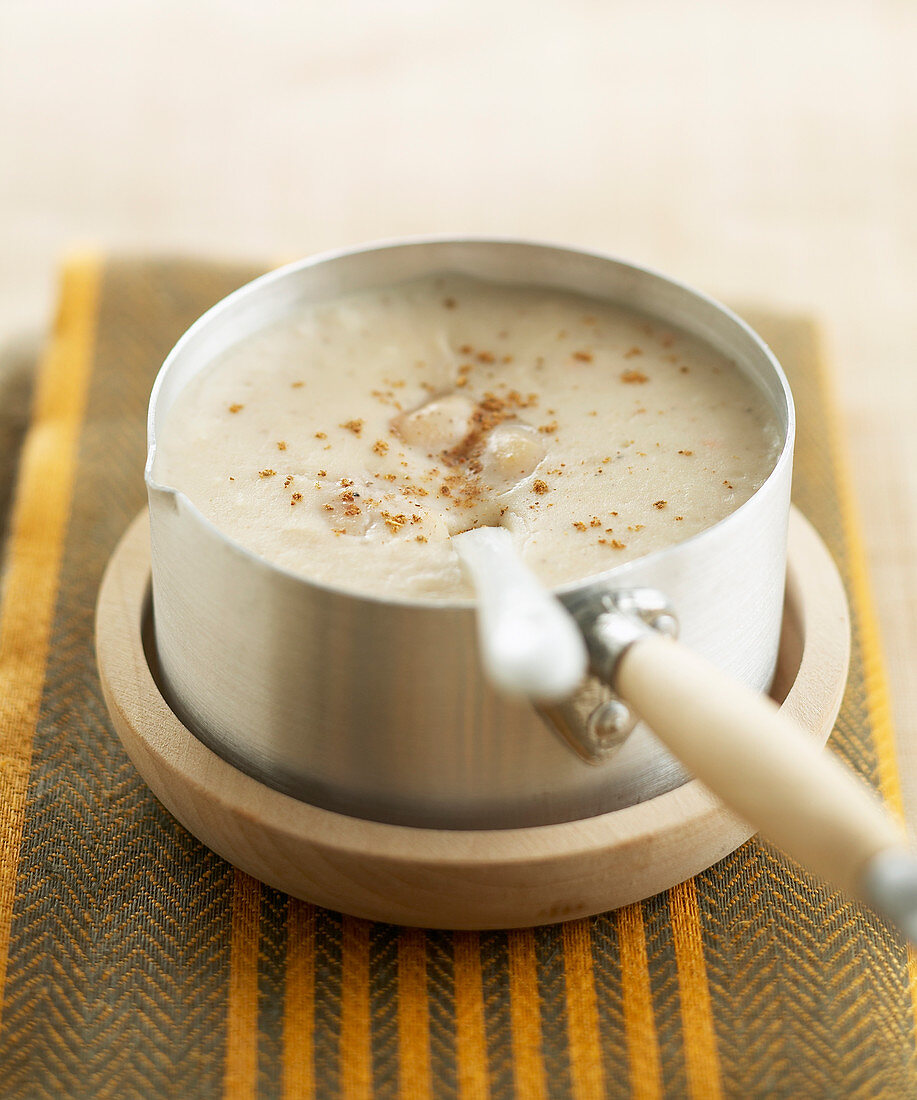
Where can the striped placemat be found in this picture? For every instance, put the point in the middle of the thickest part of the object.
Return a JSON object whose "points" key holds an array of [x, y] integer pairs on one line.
{"points": [[135, 963]]}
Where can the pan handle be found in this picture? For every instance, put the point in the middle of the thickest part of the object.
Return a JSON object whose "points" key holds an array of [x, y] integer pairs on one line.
{"points": [[760, 763]]}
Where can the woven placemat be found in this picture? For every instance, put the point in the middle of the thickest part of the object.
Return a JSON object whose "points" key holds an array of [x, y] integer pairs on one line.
{"points": [[135, 963]]}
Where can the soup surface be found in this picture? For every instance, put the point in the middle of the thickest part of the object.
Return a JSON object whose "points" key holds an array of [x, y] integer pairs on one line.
{"points": [[348, 442]]}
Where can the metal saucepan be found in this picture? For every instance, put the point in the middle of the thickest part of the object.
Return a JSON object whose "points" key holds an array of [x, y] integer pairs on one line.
{"points": [[380, 708]]}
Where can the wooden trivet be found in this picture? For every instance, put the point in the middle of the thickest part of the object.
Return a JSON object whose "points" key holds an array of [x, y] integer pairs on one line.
{"points": [[439, 878]]}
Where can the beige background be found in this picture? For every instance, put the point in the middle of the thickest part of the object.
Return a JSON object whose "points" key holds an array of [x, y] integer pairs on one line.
{"points": [[762, 151]]}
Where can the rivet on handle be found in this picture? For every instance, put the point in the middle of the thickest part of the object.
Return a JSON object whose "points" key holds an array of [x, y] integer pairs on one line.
{"points": [[594, 721]]}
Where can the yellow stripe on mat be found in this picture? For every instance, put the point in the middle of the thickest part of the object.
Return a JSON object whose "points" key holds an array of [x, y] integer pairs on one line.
{"points": [[525, 1013], [586, 1071], [702, 1061], [240, 1077], [413, 1015], [637, 1001], [356, 1052], [298, 1080], [875, 682], [470, 1040], [39, 523]]}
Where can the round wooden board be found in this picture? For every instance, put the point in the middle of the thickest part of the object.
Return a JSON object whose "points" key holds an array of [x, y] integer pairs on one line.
{"points": [[451, 878]]}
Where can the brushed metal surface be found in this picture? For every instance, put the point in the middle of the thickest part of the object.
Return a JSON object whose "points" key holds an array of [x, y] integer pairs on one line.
{"points": [[380, 709]]}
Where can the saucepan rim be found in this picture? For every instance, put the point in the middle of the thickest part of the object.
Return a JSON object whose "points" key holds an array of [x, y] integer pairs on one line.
{"points": [[262, 285]]}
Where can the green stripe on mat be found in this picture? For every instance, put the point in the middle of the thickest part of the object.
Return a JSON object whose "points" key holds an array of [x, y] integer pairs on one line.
{"points": [[31, 574]]}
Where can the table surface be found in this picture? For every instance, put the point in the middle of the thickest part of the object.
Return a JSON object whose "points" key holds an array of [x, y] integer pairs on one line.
{"points": [[765, 153]]}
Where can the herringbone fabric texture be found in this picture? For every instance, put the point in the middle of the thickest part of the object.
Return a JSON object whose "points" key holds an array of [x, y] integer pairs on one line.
{"points": [[135, 963]]}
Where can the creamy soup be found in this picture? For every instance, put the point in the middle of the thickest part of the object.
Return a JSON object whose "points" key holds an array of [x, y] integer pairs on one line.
{"points": [[350, 441]]}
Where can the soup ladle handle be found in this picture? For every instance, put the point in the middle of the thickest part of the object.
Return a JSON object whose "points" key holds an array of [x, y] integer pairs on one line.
{"points": [[737, 742], [767, 770]]}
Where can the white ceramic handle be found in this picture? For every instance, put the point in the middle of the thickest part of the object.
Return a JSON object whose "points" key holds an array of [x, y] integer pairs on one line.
{"points": [[762, 765], [530, 645]]}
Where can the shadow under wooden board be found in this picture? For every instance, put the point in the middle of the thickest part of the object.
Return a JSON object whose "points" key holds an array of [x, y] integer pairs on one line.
{"points": [[452, 878]]}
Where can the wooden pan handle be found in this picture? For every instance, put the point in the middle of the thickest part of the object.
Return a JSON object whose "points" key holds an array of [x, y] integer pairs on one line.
{"points": [[759, 762]]}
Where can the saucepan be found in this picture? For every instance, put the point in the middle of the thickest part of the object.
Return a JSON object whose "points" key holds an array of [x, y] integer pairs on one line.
{"points": [[382, 708]]}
